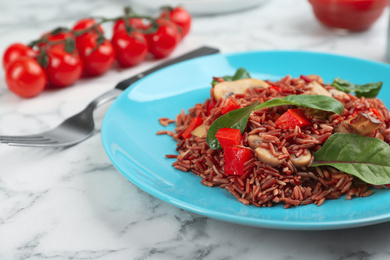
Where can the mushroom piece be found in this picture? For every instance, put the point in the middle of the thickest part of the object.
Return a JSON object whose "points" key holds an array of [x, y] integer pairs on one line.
{"points": [[337, 93], [300, 161], [317, 89], [227, 88], [200, 131], [362, 124], [254, 141], [267, 157], [262, 154]]}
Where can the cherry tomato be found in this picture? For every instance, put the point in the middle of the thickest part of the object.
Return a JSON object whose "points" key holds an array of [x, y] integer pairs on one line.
{"points": [[84, 24], [348, 14], [53, 37], [180, 17], [131, 49], [16, 50], [64, 68], [25, 77], [96, 60], [135, 23], [164, 41]]}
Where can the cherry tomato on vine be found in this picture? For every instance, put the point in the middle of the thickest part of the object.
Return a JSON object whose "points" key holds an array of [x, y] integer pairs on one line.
{"points": [[180, 16], [54, 36], [135, 23], [85, 24], [16, 50], [164, 41], [97, 59], [25, 77], [63, 68], [130, 48]]}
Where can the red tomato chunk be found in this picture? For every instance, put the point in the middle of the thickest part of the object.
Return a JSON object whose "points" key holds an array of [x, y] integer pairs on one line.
{"points": [[228, 137], [230, 105], [197, 121], [291, 119], [235, 159]]}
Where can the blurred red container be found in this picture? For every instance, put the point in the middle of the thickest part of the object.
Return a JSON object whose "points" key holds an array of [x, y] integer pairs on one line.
{"points": [[353, 15]]}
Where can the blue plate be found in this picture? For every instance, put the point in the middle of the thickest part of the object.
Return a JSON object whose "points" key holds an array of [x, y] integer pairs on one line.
{"points": [[130, 140]]}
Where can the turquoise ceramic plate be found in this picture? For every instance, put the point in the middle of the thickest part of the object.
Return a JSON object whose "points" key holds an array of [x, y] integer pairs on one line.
{"points": [[130, 140]]}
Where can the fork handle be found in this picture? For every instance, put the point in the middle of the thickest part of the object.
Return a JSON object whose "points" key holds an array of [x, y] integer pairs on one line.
{"points": [[202, 51]]}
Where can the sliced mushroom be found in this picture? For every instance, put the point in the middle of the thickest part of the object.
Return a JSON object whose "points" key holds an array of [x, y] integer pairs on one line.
{"points": [[254, 141], [262, 154], [267, 157], [200, 131], [227, 88], [316, 78], [317, 89], [362, 124], [300, 161], [337, 93]]}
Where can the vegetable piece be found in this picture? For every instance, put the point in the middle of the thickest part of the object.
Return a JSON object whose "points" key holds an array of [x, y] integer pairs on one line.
{"points": [[317, 89], [200, 131], [238, 118], [362, 124], [235, 159], [64, 68], [197, 121], [164, 41], [210, 106], [180, 16], [240, 73], [230, 105], [300, 161], [135, 23], [229, 137], [291, 119], [364, 157], [306, 78], [96, 53], [240, 86], [16, 50], [130, 48], [267, 157], [369, 90], [25, 77]]}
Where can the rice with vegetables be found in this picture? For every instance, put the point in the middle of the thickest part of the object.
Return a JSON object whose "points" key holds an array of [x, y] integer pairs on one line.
{"points": [[296, 141]]}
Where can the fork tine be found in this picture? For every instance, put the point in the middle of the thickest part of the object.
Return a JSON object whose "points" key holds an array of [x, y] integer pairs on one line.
{"points": [[21, 138]]}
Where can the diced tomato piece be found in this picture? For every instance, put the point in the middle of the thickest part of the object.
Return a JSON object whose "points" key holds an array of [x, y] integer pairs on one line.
{"points": [[235, 159], [306, 79], [273, 86], [291, 119], [197, 121], [210, 106], [228, 137], [231, 104], [376, 112]]}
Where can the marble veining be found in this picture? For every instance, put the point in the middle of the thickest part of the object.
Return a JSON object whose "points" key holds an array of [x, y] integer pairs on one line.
{"points": [[71, 203]]}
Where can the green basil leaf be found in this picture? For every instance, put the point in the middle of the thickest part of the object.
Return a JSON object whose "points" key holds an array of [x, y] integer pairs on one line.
{"points": [[236, 119], [343, 85], [369, 90], [364, 157], [240, 73], [319, 102], [239, 118]]}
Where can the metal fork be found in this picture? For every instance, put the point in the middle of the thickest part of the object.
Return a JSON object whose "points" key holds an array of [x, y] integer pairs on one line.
{"points": [[81, 126]]}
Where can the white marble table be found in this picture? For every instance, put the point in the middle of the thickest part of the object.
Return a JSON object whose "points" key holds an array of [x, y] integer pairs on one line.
{"points": [[73, 204]]}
